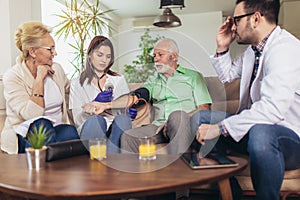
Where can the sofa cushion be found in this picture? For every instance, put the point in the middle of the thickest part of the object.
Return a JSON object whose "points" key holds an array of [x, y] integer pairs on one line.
{"points": [[220, 91], [225, 97], [230, 106]]}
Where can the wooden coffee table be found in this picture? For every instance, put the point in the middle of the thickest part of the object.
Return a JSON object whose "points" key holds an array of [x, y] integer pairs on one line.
{"points": [[82, 178]]}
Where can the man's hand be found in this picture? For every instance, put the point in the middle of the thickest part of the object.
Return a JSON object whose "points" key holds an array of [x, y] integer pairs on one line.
{"points": [[207, 132], [225, 35], [163, 129]]}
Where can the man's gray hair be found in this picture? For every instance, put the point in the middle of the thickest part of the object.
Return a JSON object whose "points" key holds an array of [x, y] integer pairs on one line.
{"points": [[170, 43]]}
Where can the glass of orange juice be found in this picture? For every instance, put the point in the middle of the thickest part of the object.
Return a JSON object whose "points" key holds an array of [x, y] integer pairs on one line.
{"points": [[97, 149], [147, 148]]}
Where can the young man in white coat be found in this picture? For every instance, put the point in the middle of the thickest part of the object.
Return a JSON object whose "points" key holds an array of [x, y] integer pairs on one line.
{"points": [[267, 124]]}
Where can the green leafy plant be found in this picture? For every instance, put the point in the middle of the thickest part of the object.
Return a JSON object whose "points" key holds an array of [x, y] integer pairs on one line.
{"points": [[38, 137], [143, 67], [81, 21]]}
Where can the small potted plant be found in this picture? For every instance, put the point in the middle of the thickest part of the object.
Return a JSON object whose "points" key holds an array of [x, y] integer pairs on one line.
{"points": [[36, 154]]}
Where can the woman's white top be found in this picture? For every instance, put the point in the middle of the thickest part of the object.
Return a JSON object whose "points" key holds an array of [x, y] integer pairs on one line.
{"points": [[80, 95], [53, 107], [53, 101]]}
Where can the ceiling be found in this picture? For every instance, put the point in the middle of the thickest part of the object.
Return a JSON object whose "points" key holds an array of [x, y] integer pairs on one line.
{"points": [[147, 8]]}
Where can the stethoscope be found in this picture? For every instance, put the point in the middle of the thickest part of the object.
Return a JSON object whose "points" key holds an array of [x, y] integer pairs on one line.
{"points": [[98, 80], [95, 74]]}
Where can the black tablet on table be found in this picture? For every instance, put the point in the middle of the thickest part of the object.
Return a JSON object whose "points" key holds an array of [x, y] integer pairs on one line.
{"points": [[212, 160]]}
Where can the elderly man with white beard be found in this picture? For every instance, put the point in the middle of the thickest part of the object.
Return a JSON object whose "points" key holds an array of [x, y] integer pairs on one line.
{"points": [[175, 93]]}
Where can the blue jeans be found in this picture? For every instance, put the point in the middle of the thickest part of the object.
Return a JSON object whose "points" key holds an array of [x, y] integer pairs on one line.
{"points": [[59, 133], [272, 150], [95, 127]]}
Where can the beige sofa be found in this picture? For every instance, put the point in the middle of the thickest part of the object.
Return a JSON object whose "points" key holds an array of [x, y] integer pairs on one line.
{"points": [[225, 97]]}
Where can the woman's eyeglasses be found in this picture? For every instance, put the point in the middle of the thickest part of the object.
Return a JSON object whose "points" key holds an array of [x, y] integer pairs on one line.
{"points": [[51, 49]]}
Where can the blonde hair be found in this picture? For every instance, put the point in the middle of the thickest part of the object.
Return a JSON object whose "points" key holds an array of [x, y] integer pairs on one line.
{"points": [[28, 35]]}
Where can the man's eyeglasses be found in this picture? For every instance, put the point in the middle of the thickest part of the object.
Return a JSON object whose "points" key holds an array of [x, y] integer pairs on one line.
{"points": [[51, 49], [237, 18]]}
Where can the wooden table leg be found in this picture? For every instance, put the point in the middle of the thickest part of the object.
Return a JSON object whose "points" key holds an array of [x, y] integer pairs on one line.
{"points": [[225, 189]]}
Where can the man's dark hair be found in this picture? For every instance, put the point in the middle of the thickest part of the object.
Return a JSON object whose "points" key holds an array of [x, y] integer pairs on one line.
{"points": [[268, 8]]}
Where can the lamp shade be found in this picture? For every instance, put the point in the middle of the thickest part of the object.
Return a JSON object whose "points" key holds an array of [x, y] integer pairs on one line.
{"points": [[167, 19]]}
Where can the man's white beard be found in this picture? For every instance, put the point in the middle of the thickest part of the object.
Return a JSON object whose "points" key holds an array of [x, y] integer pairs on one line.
{"points": [[162, 68]]}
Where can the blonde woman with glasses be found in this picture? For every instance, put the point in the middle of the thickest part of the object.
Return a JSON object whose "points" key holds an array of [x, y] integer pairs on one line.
{"points": [[35, 89]]}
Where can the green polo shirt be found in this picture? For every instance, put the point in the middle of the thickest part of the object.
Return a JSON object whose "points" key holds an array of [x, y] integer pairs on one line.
{"points": [[185, 90]]}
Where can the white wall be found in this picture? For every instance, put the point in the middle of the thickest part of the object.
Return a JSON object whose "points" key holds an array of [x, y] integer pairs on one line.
{"points": [[12, 14], [5, 38], [195, 38]]}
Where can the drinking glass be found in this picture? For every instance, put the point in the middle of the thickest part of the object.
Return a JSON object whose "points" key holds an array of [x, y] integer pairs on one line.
{"points": [[97, 149], [147, 148]]}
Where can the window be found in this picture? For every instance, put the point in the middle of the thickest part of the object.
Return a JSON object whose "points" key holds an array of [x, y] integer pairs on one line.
{"points": [[50, 9]]}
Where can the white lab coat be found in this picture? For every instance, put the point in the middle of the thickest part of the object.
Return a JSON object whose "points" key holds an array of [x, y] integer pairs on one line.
{"points": [[275, 92]]}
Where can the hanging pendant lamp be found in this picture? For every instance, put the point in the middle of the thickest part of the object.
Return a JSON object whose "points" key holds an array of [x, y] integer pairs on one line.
{"points": [[168, 19]]}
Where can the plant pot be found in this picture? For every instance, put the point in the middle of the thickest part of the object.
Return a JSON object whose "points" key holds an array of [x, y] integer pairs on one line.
{"points": [[36, 158]]}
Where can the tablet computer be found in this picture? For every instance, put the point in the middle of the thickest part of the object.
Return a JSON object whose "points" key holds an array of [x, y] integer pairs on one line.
{"points": [[212, 160]]}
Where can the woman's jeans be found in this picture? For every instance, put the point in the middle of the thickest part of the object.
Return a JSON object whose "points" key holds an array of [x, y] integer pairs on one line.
{"points": [[59, 133], [96, 127], [272, 150]]}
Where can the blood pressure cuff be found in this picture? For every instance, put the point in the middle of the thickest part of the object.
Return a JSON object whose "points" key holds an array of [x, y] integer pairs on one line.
{"points": [[142, 93], [66, 149]]}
